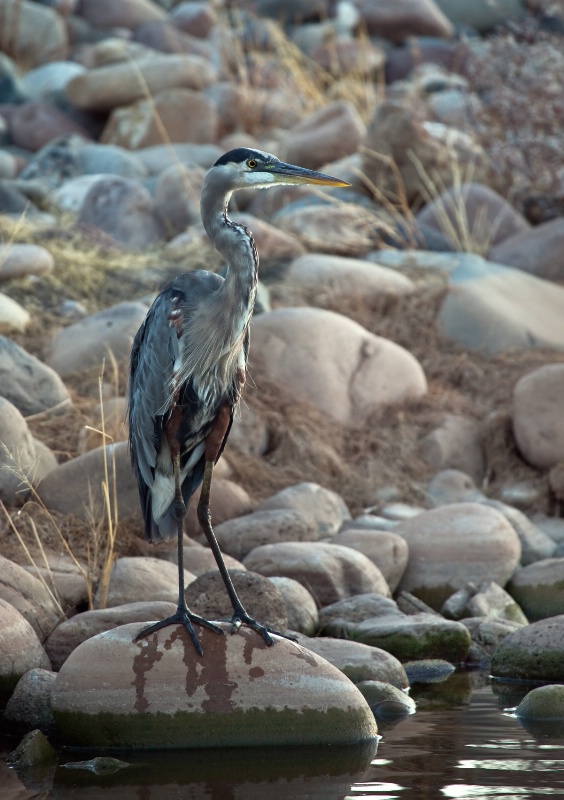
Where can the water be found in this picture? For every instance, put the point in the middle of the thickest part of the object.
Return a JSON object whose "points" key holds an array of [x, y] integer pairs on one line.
{"points": [[460, 745]]}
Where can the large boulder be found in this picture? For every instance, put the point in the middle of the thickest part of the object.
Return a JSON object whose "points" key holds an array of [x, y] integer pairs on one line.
{"points": [[538, 425], [20, 649]]}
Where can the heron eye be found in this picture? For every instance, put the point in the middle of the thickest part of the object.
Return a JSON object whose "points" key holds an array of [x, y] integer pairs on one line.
{"points": [[251, 163]]}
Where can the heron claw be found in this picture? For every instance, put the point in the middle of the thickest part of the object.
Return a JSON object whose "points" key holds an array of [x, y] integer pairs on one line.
{"points": [[186, 618], [241, 617]]}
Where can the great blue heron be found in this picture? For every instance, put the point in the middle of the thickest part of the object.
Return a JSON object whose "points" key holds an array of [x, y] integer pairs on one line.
{"points": [[188, 368]]}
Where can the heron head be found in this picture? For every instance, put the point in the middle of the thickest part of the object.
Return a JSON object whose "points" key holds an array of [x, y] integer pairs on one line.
{"points": [[244, 168]]}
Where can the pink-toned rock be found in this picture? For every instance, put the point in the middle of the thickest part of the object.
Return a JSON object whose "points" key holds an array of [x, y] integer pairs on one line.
{"points": [[33, 33], [65, 578], [249, 432], [122, 83], [330, 572], [196, 18], [75, 487], [208, 597], [199, 559], [29, 596], [538, 425], [141, 578], [301, 608], [241, 535], [17, 260], [33, 125], [348, 277], [326, 507], [272, 243], [167, 38], [20, 649], [355, 57], [177, 197], [97, 703], [476, 211], [455, 544], [384, 548], [400, 145], [399, 19], [338, 229], [332, 362], [537, 250], [185, 115], [123, 209], [71, 632], [125, 14], [228, 500], [334, 131]]}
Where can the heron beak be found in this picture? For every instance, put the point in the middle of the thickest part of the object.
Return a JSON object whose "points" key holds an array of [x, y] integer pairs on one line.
{"points": [[288, 173]]}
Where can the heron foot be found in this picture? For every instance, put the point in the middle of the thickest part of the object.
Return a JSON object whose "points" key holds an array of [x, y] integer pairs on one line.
{"points": [[186, 618], [240, 617]]}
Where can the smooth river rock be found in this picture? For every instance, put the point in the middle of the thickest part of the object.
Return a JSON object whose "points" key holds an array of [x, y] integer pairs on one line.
{"points": [[158, 693], [20, 649], [534, 652]]}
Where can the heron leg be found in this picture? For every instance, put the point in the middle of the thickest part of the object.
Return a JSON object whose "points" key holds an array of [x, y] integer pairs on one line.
{"points": [[183, 615], [240, 615]]}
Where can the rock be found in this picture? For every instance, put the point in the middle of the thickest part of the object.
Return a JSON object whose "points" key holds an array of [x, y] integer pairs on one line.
{"points": [[71, 195], [126, 14], [37, 34], [200, 559], [502, 309], [487, 635], [544, 702], [66, 579], [349, 277], [75, 487], [186, 115], [337, 229], [208, 597], [167, 38], [333, 362], [537, 425], [55, 163], [135, 579], [26, 382], [488, 600], [22, 462], [121, 84], [454, 544], [13, 317], [455, 444], [30, 705], [123, 209], [535, 250], [160, 156], [195, 18], [13, 89], [272, 243], [398, 21], [328, 571], [249, 432], [71, 632], [95, 686], [481, 14], [379, 623], [327, 508], [335, 131], [474, 212], [386, 701], [384, 548], [34, 750], [358, 661], [407, 146], [453, 486], [20, 260], [239, 536], [30, 597], [86, 343], [33, 125], [428, 670], [343, 57], [177, 196], [49, 80], [534, 652], [301, 608], [535, 545], [539, 588], [20, 649]]}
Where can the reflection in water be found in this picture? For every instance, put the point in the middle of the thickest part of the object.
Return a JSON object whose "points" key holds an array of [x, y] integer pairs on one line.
{"points": [[459, 745]]}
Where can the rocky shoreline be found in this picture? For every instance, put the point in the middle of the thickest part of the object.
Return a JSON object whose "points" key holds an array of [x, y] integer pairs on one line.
{"points": [[392, 490]]}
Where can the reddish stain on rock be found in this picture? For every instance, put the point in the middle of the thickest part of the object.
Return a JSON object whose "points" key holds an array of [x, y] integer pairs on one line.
{"points": [[148, 656]]}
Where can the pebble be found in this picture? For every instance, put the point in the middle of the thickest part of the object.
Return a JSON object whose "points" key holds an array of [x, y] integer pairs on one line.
{"points": [[333, 362], [330, 572], [454, 544], [488, 600], [317, 703], [26, 382], [20, 649]]}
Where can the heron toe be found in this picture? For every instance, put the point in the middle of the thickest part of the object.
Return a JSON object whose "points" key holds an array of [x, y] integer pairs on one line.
{"points": [[186, 618]]}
